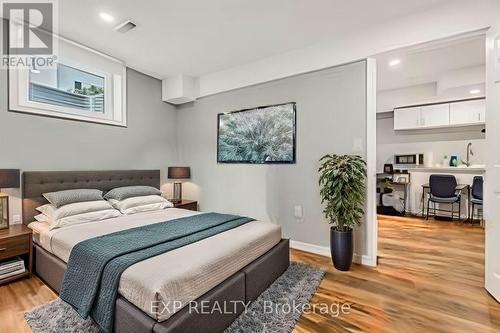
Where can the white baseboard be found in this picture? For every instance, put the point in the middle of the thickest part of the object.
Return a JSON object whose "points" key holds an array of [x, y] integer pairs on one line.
{"points": [[307, 247], [325, 251], [364, 260]]}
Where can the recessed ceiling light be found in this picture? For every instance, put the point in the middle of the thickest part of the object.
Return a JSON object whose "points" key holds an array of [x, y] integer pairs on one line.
{"points": [[394, 62], [474, 91], [106, 17]]}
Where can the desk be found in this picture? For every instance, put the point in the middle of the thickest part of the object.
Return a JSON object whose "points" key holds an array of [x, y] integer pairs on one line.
{"points": [[459, 187], [383, 178], [405, 191]]}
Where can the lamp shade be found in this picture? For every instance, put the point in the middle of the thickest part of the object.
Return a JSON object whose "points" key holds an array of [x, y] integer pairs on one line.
{"points": [[179, 172], [9, 178]]}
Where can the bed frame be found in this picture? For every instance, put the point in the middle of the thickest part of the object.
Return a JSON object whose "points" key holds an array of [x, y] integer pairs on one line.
{"points": [[245, 285]]}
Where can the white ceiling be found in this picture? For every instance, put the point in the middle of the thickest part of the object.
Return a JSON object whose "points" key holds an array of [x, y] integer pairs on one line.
{"points": [[425, 64], [197, 37]]}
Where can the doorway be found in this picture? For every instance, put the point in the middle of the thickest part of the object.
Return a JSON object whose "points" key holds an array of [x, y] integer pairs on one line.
{"points": [[442, 85]]}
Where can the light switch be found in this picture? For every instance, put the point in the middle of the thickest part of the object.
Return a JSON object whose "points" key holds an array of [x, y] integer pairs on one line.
{"points": [[357, 145], [298, 212]]}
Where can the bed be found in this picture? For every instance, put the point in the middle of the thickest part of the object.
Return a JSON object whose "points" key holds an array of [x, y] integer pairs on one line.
{"points": [[234, 266]]}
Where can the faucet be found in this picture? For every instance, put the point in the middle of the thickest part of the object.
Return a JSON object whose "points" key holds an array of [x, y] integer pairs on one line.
{"points": [[469, 154]]}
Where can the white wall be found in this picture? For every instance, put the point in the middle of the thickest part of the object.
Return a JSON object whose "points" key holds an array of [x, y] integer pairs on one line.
{"points": [[453, 18], [451, 85], [455, 84], [331, 113], [439, 142], [387, 100], [36, 143]]}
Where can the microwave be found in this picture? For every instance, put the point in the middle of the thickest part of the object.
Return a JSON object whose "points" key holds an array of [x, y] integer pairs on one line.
{"points": [[409, 159]]}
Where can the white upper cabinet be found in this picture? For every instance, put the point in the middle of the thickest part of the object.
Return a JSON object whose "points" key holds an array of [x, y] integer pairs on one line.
{"points": [[468, 112], [406, 118], [435, 115], [452, 114]]}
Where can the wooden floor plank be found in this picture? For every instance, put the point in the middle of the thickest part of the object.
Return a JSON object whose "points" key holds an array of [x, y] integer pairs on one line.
{"points": [[429, 278]]}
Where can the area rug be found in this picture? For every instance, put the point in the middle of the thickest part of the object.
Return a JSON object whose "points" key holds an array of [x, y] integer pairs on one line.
{"points": [[275, 310]]}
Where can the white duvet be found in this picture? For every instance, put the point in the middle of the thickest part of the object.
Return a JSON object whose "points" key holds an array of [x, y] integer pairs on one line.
{"points": [[176, 277]]}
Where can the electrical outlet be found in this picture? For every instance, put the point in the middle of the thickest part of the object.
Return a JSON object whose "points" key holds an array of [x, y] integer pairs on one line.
{"points": [[16, 219]]}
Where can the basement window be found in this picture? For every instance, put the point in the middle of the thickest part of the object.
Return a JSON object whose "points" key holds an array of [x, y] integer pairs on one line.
{"points": [[83, 85], [68, 87]]}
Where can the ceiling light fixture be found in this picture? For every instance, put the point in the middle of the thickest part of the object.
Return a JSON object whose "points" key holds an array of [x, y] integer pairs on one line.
{"points": [[394, 62], [106, 17], [474, 91]]}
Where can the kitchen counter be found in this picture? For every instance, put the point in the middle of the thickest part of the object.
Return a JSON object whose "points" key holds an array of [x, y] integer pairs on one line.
{"points": [[472, 169], [420, 176]]}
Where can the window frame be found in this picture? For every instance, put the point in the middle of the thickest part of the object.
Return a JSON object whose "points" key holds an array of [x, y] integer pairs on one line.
{"points": [[115, 111]]}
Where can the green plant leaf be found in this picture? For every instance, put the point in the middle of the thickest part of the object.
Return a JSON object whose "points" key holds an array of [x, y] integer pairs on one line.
{"points": [[342, 189]]}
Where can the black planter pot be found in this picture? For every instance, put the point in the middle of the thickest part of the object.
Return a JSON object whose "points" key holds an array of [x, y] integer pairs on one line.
{"points": [[341, 247]]}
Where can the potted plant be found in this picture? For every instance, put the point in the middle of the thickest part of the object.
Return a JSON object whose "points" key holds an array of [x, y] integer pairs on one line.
{"points": [[342, 188], [388, 187]]}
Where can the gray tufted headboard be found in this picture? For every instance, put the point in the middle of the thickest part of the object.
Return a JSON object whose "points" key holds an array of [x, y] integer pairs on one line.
{"points": [[35, 183]]}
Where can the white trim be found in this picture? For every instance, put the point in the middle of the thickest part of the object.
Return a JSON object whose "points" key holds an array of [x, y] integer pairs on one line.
{"points": [[364, 260], [311, 248], [325, 251], [371, 164], [115, 110]]}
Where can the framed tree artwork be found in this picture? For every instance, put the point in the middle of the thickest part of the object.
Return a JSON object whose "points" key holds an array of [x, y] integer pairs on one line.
{"points": [[262, 135]]}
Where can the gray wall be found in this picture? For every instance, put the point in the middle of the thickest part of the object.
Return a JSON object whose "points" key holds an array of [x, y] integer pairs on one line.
{"points": [[331, 113], [31, 142]]}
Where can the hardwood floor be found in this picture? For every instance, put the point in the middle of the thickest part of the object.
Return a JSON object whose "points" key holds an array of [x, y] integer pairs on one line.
{"points": [[18, 297], [429, 279]]}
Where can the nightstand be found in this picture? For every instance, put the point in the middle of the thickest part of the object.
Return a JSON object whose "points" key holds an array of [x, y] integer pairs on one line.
{"points": [[16, 241], [187, 204]]}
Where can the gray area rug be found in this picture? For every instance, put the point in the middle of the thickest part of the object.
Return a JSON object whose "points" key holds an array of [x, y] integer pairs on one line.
{"points": [[272, 311], [56, 317]]}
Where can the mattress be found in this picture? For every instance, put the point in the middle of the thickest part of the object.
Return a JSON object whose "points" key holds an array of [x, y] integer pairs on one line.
{"points": [[162, 285]]}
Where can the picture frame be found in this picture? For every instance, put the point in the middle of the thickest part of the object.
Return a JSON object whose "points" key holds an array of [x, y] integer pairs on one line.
{"points": [[274, 148]]}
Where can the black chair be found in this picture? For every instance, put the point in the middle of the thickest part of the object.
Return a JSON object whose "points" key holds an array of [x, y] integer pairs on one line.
{"points": [[476, 195], [443, 191]]}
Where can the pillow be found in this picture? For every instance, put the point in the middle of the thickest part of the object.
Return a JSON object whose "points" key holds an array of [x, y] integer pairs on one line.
{"points": [[54, 213], [42, 218], [82, 211], [85, 217], [67, 197], [121, 193], [141, 204]]}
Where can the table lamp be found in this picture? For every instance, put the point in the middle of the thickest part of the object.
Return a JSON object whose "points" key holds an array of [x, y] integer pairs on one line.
{"points": [[178, 173], [9, 178]]}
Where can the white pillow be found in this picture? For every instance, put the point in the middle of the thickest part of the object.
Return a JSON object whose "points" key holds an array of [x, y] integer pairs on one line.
{"points": [[76, 208], [141, 204], [88, 211], [84, 218], [42, 218]]}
